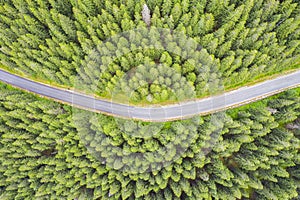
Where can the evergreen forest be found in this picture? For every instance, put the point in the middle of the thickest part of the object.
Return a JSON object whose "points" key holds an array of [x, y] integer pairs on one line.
{"points": [[149, 52], [53, 151], [152, 51]]}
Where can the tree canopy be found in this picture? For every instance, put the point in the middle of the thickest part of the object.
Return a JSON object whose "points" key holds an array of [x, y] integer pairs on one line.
{"points": [[52, 151], [98, 45]]}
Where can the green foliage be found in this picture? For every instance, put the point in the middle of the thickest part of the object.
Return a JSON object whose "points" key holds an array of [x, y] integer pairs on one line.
{"points": [[76, 43], [49, 150]]}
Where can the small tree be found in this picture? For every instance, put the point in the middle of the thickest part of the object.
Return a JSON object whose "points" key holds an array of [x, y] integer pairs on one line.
{"points": [[146, 15]]}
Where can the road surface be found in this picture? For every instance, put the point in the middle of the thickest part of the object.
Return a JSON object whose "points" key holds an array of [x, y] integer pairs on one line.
{"points": [[182, 110]]}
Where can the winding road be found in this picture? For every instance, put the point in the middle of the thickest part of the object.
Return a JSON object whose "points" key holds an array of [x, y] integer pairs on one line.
{"points": [[182, 110]]}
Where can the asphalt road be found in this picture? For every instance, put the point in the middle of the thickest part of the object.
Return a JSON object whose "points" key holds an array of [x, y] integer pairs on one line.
{"points": [[182, 110]]}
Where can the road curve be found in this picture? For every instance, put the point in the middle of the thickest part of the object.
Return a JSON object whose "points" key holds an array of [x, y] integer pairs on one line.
{"points": [[182, 110]]}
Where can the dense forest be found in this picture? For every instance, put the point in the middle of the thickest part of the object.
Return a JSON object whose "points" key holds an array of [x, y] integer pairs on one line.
{"points": [[149, 51], [53, 151], [152, 51]]}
